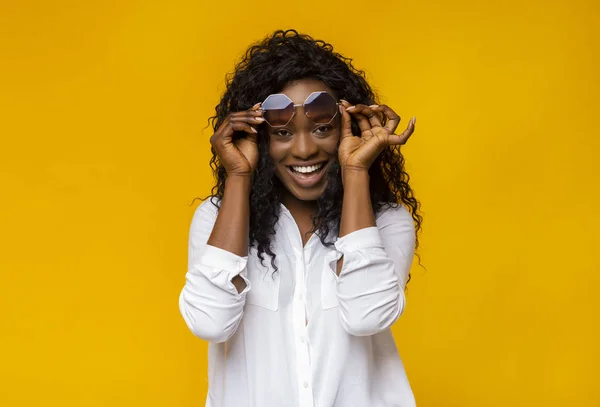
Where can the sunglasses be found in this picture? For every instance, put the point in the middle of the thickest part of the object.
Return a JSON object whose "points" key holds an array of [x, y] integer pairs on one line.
{"points": [[278, 109]]}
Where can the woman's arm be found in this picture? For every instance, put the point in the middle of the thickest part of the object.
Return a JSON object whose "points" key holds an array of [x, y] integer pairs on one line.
{"points": [[357, 210], [375, 255], [373, 270], [230, 232], [213, 297], [212, 300]]}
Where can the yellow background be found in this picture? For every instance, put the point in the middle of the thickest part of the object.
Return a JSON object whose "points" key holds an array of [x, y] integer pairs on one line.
{"points": [[102, 149]]}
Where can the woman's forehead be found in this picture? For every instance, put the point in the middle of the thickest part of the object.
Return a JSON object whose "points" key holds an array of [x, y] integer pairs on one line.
{"points": [[299, 90]]}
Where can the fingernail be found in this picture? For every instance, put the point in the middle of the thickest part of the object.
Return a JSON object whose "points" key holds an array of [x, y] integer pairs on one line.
{"points": [[253, 130], [256, 105], [262, 119], [344, 101], [414, 120], [374, 106], [351, 107]]}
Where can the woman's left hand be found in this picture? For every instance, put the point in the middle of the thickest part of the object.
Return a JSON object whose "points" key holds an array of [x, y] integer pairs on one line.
{"points": [[358, 153]]}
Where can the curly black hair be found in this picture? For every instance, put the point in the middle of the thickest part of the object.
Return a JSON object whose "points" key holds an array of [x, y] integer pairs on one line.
{"points": [[266, 68]]}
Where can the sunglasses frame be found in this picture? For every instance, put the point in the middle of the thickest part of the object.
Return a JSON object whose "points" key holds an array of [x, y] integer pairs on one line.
{"points": [[337, 103]]}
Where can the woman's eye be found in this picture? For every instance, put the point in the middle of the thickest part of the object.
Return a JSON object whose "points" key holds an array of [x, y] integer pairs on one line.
{"points": [[323, 129], [283, 133]]}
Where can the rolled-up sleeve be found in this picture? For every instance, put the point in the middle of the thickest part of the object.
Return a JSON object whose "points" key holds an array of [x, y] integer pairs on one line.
{"points": [[376, 263], [209, 302]]}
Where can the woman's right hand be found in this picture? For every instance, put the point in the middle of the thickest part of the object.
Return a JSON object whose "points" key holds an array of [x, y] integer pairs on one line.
{"points": [[239, 157]]}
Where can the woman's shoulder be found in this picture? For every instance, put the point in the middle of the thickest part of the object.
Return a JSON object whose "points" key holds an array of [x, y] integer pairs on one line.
{"points": [[207, 210], [393, 213]]}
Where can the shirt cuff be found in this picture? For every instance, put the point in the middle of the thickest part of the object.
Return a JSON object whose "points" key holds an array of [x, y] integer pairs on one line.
{"points": [[223, 260], [359, 239]]}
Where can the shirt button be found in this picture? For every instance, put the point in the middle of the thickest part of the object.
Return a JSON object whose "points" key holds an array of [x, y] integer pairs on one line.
{"points": [[305, 384]]}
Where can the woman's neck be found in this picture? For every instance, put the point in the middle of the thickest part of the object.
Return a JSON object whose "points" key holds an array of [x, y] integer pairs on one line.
{"points": [[302, 212]]}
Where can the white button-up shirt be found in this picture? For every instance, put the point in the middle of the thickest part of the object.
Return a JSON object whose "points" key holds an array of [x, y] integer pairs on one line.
{"points": [[302, 336]]}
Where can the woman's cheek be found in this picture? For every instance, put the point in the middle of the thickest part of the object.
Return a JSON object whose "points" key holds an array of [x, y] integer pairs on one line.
{"points": [[331, 144]]}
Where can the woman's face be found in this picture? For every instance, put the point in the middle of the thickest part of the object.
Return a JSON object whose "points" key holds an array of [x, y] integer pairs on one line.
{"points": [[303, 151]]}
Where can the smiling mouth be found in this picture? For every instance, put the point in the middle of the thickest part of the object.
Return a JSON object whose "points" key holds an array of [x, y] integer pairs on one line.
{"points": [[308, 176], [309, 169]]}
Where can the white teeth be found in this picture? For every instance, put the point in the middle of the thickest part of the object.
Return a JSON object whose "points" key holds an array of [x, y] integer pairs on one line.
{"points": [[307, 169]]}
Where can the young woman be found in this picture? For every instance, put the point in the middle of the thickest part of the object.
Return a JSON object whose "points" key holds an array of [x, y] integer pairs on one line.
{"points": [[299, 261]]}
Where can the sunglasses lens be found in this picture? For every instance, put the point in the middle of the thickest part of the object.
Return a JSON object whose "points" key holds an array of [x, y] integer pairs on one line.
{"points": [[278, 110], [320, 107]]}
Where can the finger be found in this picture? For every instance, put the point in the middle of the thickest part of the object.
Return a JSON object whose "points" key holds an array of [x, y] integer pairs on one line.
{"points": [[363, 123], [369, 150], [392, 119], [256, 111], [253, 120], [395, 139], [253, 117], [234, 122], [252, 112], [239, 125], [247, 113], [346, 120], [371, 115]]}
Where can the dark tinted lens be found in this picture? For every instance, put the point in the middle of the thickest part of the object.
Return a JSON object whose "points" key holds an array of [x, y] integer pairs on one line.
{"points": [[320, 107], [277, 110]]}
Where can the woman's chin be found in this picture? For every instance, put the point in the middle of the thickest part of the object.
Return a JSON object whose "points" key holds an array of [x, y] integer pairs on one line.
{"points": [[306, 195]]}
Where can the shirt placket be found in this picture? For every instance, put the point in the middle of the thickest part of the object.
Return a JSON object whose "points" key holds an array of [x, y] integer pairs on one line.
{"points": [[304, 376]]}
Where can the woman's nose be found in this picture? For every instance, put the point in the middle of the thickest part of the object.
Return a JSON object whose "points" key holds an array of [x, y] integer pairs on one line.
{"points": [[304, 146]]}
